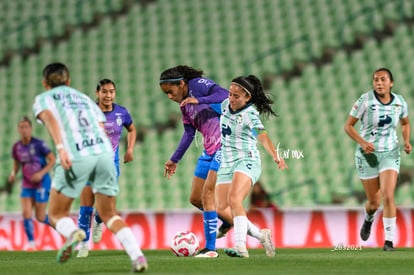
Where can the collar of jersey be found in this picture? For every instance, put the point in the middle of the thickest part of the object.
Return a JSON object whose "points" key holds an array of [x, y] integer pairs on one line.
{"points": [[385, 104]]}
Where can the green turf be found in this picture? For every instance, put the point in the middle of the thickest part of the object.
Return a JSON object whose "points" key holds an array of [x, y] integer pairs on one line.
{"points": [[286, 261]]}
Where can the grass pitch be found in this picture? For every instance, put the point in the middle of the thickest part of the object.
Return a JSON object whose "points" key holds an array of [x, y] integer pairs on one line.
{"points": [[286, 261]]}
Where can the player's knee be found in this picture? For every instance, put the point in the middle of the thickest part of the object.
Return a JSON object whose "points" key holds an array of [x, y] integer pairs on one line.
{"points": [[234, 202], [388, 199], [373, 205], [110, 223]]}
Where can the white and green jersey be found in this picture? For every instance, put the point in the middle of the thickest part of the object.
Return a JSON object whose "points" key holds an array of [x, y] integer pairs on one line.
{"points": [[79, 120], [239, 132], [379, 121]]}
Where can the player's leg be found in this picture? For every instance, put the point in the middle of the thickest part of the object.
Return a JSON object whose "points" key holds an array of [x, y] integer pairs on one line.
{"points": [[240, 188], [206, 170], [41, 199], [59, 208], [196, 191], [372, 191], [223, 208], [68, 185], [367, 169], [106, 187], [97, 222], [389, 168], [27, 198], [388, 182], [106, 206], [209, 217], [87, 200]]}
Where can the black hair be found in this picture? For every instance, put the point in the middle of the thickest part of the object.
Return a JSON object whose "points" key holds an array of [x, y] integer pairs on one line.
{"points": [[104, 82], [25, 119], [181, 72], [385, 70], [56, 74], [252, 85]]}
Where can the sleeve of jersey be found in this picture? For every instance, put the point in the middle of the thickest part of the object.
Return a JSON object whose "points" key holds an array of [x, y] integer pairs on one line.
{"points": [[37, 108], [359, 107], [44, 149], [255, 124], [185, 142], [216, 94], [128, 119], [404, 112]]}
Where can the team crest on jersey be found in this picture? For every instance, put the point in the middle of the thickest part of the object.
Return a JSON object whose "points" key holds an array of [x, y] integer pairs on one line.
{"points": [[118, 121], [239, 119], [397, 109]]}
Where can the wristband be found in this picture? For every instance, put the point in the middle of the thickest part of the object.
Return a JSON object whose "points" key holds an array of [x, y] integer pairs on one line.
{"points": [[59, 146]]}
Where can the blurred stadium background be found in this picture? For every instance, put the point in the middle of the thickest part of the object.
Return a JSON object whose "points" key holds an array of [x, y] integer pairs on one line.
{"points": [[315, 58]]}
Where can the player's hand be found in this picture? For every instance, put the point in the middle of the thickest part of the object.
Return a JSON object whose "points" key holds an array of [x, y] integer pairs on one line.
{"points": [[129, 156], [407, 147], [36, 177], [64, 159], [368, 147], [281, 164], [170, 168], [189, 100]]}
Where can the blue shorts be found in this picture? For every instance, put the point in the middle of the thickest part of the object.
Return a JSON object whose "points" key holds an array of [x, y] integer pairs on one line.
{"points": [[206, 163], [41, 194], [117, 172]]}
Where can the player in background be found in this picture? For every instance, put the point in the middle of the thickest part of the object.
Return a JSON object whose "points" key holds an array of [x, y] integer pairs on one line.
{"points": [[85, 153], [117, 117], [199, 100], [240, 169], [377, 155], [36, 160]]}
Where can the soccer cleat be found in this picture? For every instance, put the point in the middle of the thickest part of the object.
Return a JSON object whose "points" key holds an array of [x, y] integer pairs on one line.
{"points": [[65, 252], [206, 253], [266, 242], [96, 232], [239, 252], [365, 230], [83, 250], [388, 246], [222, 230], [140, 264]]}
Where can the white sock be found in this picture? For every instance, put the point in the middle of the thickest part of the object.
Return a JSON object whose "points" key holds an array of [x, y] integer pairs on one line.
{"points": [[253, 230], [65, 226], [128, 241], [369, 217], [240, 230], [389, 228]]}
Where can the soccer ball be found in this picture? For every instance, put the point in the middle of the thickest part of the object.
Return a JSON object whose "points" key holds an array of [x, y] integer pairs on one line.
{"points": [[184, 244]]}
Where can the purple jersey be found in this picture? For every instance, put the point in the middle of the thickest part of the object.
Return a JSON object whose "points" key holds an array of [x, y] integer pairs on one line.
{"points": [[203, 117], [32, 158], [116, 119]]}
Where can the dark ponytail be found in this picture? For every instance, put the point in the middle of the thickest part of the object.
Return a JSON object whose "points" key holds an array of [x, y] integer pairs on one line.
{"points": [[252, 85]]}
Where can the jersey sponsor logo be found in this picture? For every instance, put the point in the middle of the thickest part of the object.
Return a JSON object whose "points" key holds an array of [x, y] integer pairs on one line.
{"points": [[383, 120], [88, 143], [225, 130]]}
